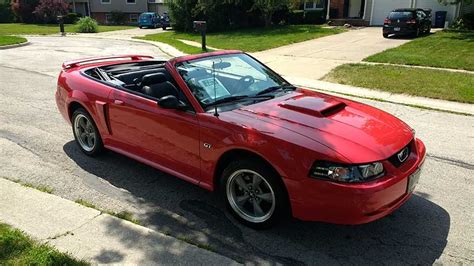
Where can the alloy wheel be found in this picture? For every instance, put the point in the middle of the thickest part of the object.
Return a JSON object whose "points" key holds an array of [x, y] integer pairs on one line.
{"points": [[250, 195], [85, 132]]}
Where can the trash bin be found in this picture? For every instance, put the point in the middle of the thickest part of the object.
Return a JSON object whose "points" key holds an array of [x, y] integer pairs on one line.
{"points": [[440, 18]]}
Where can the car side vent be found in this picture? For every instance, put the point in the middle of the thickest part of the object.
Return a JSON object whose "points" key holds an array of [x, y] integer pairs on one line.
{"points": [[332, 109]]}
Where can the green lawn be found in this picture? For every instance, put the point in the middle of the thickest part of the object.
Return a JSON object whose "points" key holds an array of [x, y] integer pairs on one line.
{"points": [[249, 40], [442, 49], [419, 82], [18, 249], [44, 29], [9, 40]]}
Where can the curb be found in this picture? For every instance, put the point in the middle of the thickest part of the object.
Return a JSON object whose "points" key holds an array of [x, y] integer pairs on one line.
{"points": [[419, 67], [11, 46], [92, 235]]}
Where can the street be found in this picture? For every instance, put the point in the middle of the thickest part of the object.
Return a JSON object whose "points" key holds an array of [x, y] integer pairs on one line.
{"points": [[36, 145]]}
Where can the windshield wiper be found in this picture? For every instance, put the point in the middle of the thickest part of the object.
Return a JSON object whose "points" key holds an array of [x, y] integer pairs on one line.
{"points": [[238, 98], [276, 88]]}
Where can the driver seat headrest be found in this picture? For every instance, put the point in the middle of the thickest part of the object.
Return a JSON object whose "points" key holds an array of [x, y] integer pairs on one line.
{"points": [[154, 78]]}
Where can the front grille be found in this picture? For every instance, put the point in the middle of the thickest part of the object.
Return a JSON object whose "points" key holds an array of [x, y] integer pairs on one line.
{"points": [[397, 160]]}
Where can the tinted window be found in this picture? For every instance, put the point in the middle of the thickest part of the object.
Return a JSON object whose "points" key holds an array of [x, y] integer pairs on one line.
{"points": [[401, 15]]}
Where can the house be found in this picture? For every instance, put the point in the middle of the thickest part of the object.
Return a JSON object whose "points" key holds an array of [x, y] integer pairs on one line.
{"points": [[373, 12], [101, 10]]}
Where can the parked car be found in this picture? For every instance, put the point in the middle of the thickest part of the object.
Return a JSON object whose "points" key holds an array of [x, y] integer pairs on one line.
{"points": [[165, 21], [407, 21], [149, 20], [228, 123]]}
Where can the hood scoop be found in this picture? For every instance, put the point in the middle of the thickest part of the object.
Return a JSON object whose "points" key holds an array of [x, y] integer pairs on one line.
{"points": [[320, 107]]}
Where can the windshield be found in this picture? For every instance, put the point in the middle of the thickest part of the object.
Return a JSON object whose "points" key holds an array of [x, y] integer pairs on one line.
{"points": [[401, 15], [226, 79], [145, 16]]}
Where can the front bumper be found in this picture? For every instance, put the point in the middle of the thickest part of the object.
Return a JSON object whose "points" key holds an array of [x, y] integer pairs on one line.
{"points": [[358, 203]]}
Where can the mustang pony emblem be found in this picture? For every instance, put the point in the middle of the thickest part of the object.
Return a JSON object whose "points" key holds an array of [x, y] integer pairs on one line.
{"points": [[403, 155]]}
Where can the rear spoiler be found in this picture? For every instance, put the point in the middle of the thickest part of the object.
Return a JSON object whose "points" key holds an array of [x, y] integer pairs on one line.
{"points": [[78, 62]]}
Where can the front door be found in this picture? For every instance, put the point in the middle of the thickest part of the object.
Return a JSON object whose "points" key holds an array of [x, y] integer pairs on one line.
{"points": [[168, 138]]}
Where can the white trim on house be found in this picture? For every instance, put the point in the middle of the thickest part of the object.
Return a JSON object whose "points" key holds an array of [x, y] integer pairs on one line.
{"points": [[314, 4]]}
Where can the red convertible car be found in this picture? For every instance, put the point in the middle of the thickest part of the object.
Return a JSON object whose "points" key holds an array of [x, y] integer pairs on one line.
{"points": [[227, 123]]}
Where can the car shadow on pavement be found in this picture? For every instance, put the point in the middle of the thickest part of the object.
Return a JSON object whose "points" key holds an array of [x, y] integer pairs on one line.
{"points": [[415, 234]]}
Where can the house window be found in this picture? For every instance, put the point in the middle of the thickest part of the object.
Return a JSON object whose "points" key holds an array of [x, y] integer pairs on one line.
{"points": [[151, 1], [312, 5], [130, 2], [133, 18], [105, 2], [108, 18]]}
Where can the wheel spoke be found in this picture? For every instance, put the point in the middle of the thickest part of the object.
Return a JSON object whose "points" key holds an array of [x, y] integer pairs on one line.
{"points": [[82, 124], [256, 180], [242, 199], [89, 126], [83, 136], [241, 182], [266, 197], [257, 210], [90, 141]]}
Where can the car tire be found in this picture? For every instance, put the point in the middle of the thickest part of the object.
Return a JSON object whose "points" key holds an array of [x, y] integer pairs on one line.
{"points": [[140, 27], [385, 35], [86, 134], [164, 27], [261, 186]]}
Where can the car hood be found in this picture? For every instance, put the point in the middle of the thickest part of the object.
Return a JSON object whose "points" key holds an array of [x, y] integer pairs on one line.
{"points": [[356, 131]]}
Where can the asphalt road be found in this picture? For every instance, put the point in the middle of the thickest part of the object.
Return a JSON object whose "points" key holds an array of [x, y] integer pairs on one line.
{"points": [[36, 146]]}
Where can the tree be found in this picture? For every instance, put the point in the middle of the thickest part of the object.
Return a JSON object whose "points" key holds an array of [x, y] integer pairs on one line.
{"points": [[23, 9], [48, 10], [269, 7]]}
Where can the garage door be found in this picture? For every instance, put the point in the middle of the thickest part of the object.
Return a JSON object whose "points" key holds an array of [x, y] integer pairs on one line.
{"points": [[383, 7]]}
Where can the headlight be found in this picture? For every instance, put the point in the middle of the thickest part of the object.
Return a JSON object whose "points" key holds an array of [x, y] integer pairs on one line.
{"points": [[346, 173]]}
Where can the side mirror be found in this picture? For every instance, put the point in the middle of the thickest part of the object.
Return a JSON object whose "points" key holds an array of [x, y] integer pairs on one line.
{"points": [[171, 102]]}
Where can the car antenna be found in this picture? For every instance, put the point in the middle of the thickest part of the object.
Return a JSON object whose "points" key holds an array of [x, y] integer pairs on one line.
{"points": [[215, 90]]}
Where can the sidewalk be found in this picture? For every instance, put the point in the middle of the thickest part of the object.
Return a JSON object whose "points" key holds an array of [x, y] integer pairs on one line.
{"points": [[96, 237]]}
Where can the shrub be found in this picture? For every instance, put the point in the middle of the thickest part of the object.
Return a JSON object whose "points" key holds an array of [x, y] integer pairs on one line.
{"points": [[314, 17], [48, 10], [468, 20], [296, 17], [220, 15], [87, 25], [71, 18], [118, 17], [23, 9], [6, 14], [465, 22]]}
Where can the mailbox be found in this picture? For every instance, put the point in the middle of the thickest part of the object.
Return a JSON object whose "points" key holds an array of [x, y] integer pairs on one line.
{"points": [[61, 25], [200, 26]]}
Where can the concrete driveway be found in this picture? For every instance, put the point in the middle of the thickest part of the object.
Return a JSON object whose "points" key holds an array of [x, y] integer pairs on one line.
{"points": [[36, 146], [315, 58]]}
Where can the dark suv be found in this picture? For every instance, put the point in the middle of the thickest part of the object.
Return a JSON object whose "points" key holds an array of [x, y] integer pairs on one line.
{"points": [[407, 21]]}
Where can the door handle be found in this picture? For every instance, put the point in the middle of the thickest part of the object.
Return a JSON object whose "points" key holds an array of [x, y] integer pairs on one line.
{"points": [[118, 102]]}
